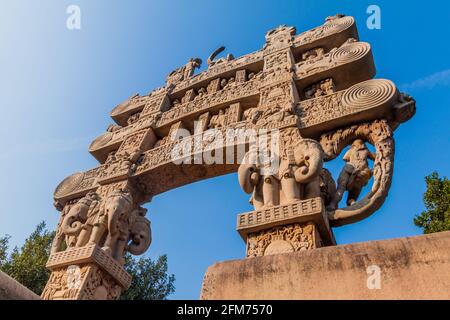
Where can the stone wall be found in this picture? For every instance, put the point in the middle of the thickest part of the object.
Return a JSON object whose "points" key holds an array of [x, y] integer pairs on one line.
{"points": [[10, 289], [410, 268]]}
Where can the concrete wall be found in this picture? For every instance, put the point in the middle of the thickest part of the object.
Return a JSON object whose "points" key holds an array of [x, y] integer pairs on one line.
{"points": [[410, 268], [10, 289]]}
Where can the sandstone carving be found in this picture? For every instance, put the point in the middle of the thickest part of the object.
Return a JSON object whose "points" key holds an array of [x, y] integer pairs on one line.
{"points": [[184, 72], [211, 59], [304, 97]]}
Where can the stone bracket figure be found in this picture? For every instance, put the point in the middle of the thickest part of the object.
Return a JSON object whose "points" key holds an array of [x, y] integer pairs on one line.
{"points": [[380, 134], [356, 172]]}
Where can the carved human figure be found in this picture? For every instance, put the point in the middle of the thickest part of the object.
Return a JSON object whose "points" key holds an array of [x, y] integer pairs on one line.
{"points": [[277, 113], [184, 72], [313, 55], [218, 120], [321, 88], [190, 67], [356, 172]]}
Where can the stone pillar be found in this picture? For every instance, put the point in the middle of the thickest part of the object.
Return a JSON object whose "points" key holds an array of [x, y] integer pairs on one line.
{"points": [[298, 226], [97, 229], [86, 273]]}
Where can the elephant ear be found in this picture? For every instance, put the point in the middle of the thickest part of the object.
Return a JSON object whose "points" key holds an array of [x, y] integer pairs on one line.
{"points": [[141, 227], [244, 173]]}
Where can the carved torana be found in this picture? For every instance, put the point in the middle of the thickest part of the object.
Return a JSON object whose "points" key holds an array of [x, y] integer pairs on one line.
{"points": [[276, 116]]}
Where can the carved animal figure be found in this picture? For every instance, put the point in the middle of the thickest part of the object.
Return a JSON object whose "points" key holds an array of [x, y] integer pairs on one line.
{"points": [[115, 220], [300, 168], [140, 236], [296, 178], [75, 219], [132, 234]]}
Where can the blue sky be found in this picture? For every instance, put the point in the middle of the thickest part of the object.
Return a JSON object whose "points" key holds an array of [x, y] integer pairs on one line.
{"points": [[57, 88]]}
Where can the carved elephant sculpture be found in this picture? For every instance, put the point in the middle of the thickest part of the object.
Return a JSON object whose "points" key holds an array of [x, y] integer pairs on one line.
{"points": [[117, 211], [140, 236], [73, 221], [300, 170], [296, 177]]}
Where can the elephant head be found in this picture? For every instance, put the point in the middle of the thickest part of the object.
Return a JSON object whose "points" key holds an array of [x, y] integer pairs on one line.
{"points": [[308, 156], [140, 236], [118, 205], [248, 173], [248, 177], [76, 216]]}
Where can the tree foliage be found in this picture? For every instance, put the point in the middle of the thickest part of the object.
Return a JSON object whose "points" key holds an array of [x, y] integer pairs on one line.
{"points": [[27, 265], [150, 279], [436, 198]]}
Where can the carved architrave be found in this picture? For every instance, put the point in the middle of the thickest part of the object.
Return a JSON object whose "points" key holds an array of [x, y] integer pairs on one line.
{"points": [[121, 164]]}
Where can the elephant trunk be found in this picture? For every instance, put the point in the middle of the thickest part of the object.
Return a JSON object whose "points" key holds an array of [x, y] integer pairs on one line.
{"points": [[308, 156], [141, 236], [113, 212], [71, 224], [248, 176]]}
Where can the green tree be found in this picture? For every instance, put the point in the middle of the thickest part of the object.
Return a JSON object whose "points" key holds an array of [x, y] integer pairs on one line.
{"points": [[150, 279], [4, 250], [436, 217], [27, 265]]}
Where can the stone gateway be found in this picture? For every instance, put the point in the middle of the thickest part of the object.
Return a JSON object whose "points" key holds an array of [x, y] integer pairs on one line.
{"points": [[313, 91]]}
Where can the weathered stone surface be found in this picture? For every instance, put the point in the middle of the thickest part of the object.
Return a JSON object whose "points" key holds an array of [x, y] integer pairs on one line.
{"points": [[410, 268], [10, 289]]}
